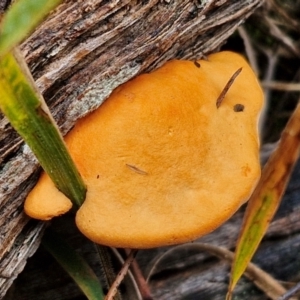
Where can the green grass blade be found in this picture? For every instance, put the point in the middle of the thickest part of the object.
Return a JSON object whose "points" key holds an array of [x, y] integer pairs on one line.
{"points": [[21, 18], [266, 198], [73, 264], [29, 115]]}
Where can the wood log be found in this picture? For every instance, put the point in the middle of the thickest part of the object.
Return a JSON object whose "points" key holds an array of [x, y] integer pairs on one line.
{"points": [[77, 56]]}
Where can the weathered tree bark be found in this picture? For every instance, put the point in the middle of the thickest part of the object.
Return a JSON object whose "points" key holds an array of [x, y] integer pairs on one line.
{"points": [[78, 56]]}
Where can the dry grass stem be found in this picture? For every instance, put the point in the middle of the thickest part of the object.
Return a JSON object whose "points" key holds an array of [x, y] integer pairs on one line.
{"points": [[114, 288], [264, 281]]}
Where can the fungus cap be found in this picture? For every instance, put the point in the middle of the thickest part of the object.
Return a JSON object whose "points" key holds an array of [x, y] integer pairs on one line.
{"points": [[163, 165]]}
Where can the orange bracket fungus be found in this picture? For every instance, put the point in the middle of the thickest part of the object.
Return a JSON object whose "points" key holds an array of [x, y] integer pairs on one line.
{"points": [[164, 162]]}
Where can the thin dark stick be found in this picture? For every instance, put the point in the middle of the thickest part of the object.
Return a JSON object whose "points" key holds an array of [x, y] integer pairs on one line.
{"points": [[107, 267], [114, 287], [140, 279], [291, 292], [227, 87]]}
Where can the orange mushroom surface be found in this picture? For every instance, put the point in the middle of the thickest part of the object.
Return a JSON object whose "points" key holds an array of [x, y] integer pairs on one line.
{"points": [[162, 163]]}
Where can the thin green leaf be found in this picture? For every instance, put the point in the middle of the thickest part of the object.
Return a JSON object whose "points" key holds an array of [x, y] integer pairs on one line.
{"points": [[73, 264], [266, 198], [21, 18], [107, 267], [29, 115]]}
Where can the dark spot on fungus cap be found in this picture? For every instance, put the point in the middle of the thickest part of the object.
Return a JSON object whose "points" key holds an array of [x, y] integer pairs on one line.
{"points": [[239, 107], [197, 64]]}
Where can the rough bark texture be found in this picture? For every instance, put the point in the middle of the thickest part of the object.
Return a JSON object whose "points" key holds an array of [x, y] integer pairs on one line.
{"points": [[78, 56]]}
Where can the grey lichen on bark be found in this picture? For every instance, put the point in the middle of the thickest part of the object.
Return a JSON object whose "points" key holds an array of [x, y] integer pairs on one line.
{"points": [[81, 52]]}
